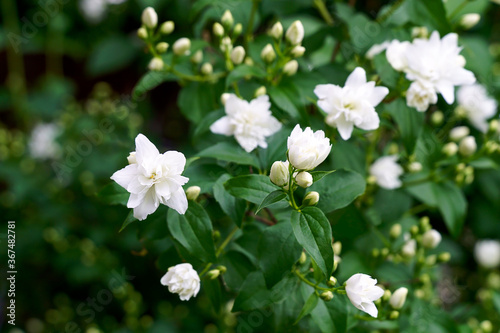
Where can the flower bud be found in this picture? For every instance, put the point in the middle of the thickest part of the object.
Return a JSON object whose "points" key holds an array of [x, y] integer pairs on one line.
{"points": [[181, 46], [337, 247], [409, 248], [222, 269], [437, 118], [237, 55], [326, 296], [491, 147], [415, 167], [425, 223], [276, 31], [431, 260], [302, 258], [394, 315], [227, 19], [279, 173], [387, 295], [486, 326], [332, 282], [268, 54], [375, 252], [213, 274], [444, 257], [304, 179], [218, 29], [467, 146], [193, 192], [216, 235], [469, 20], [206, 68], [494, 126], [260, 91], [295, 33], [197, 57], [431, 239], [291, 67], [156, 64], [142, 33], [398, 298], [450, 149], [149, 17], [167, 27], [458, 133], [395, 231], [162, 47], [238, 28], [224, 97], [298, 51], [131, 158], [226, 45], [414, 230], [311, 198], [419, 32]]}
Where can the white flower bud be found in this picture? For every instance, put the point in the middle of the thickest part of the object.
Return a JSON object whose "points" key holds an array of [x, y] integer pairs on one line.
{"points": [[167, 27], [467, 146], [279, 173], [291, 67], [311, 199], [487, 253], [304, 179], [227, 18], [298, 51], [415, 167], [268, 54], [431, 239], [131, 158], [142, 33], [409, 249], [197, 57], [470, 20], [162, 47], [224, 97], [149, 17], [181, 46], [326, 295], [260, 91], [237, 55], [207, 69], [193, 192], [182, 279], [276, 31], [249, 61], [450, 149], [419, 32], [295, 33], [458, 133], [337, 247], [398, 298], [226, 45], [213, 274], [156, 64], [238, 28], [395, 231], [218, 29]]}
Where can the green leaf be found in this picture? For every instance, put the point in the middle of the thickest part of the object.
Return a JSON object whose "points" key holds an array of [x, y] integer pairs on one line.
{"points": [[285, 99], [110, 55], [339, 189], [388, 75], [151, 80], [197, 99], [230, 152], [213, 290], [452, 205], [410, 122], [233, 207], [113, 194], [243, 71], [278, 251], [272, 198], [317, 175], [193, 231], [130, 219], [238, 268], [253, 188], [310, 304], [313, 231]]}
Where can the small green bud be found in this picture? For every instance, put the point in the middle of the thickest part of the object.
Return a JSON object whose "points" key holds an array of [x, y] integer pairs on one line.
{"points": [[218, 29], [332, 282], [213, 274], [216, 235], [450, 149], [167, 27], [375, 253], [414, 230], [238, 28], [302, 258], [193, 192], [162, 47], [260, 91], [384, 252], [437, 118], [395, 231], [207, 69], [387, 295], [222, 269], [486, 326], [337, 247], [227, 19], [394, 315], [197, 57], [444, 257], [142, 33], [431, 260], [326, 296], [268, 54]]}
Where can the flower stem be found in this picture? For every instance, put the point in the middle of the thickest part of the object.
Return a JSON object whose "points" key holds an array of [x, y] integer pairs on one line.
{"points": [[226, 242], [323, 11], [339, 290], [248, 33], [207, 267]]}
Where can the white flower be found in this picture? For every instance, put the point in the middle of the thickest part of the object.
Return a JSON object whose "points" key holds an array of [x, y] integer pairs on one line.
{"points": [[352, 105], [487, 253], [149, 17], [182, 279], [250, 123], [153, 180], [396, 54], [409, 249], [420, 95], [279, 173], [42, 143], [295, 33], [362, 291], [398, 298], [431, 239], [478, 106], [307, 149], [437, 62], [387, 172], [376, 49]]}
